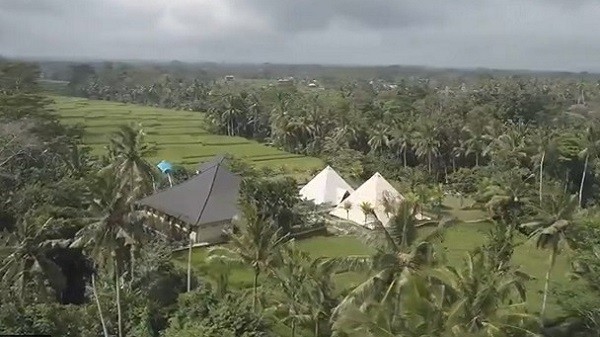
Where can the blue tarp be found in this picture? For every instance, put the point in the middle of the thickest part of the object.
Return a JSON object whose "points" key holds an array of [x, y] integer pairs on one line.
{"points": [[165, 166]]}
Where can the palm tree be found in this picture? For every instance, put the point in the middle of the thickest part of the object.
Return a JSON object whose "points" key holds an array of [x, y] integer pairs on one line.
{"points": [[136, 176], [114, 228], [509, 148], [482, 297], [399, 252], [367, 209], [102, 320], [505, 194], [347, 205], [127, 151], [543, 139], [256, 244], [376, 322], [292, 278], [475, 142], [590, 152], [426, 143], [550, 229], [306, 288], [388, 204], [25, 257], [436, 197], [379, 138], [401, 137], [321, 294], [420, 197]]}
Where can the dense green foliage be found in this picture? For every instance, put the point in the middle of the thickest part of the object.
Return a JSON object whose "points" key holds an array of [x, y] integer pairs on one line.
{"points": [[79, 259]]}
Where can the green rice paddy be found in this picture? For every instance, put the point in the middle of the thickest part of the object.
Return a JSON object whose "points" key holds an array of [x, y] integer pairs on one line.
{"points": [[181, 137]]}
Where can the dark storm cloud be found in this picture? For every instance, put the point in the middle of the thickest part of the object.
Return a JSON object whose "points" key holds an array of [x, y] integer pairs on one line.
{"points": [[557, 34]]}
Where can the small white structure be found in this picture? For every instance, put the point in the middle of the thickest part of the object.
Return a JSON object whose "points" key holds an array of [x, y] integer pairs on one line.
{"points": [[326, 187], [376, 191]]}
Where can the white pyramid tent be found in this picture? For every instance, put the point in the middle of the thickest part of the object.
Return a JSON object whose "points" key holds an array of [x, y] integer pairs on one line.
{"points": [[326, 187], [374, 191]]}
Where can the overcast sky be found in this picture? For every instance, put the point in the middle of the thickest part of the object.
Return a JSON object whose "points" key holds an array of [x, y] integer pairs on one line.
{"points": [[524, 34]]}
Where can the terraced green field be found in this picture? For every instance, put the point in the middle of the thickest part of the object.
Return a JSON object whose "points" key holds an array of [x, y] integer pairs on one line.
{"points": [[181, 137]]}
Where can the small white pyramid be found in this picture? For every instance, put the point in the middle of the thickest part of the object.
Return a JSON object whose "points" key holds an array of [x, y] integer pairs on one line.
{"points": [[374, 191], [326, 187]]}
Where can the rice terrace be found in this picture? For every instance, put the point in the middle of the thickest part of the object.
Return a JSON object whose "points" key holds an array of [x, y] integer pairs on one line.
{"points": [[178, 136]]}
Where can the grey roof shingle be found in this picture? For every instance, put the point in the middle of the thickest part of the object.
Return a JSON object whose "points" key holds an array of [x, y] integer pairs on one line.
{"points": [[209, 197]]}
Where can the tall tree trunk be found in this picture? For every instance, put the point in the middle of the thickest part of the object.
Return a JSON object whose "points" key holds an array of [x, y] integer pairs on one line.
{"points": [[429, 162], [118, 297], [131, 264], [542, 175], [453, 164], [476, 159], [95, 292], [445, 173], [396, 307], [24, 282], [189, 262], [293, 327], [316, 326], [587, 158], [255, 289], [547, 283], [404, 156]]}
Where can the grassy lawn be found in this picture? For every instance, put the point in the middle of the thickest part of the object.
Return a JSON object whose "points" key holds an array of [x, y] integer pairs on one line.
{"points": [[458, 241], [181, 137], [462, 209]]}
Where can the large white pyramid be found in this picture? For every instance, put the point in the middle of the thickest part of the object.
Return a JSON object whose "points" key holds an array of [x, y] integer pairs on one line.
{"points": [[326, 187], [374, 191]]}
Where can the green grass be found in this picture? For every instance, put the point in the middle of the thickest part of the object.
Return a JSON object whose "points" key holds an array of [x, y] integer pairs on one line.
{"points": [[179, 136], [458, 241], [462, 209]]}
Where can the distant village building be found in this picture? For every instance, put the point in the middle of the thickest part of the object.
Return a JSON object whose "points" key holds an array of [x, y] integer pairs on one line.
{"points": [[285, 82], [229, 78], [382, 85]]}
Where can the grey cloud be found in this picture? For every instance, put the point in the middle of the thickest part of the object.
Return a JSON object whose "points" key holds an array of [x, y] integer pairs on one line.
{"points": [[319, 14], [557, 34]]}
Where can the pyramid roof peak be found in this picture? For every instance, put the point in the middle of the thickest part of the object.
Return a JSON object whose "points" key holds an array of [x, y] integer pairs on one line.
{"points": [[326, 187]]}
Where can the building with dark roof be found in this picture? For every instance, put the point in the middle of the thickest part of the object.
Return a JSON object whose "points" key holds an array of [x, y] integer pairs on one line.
{"points": [[206, 203]]}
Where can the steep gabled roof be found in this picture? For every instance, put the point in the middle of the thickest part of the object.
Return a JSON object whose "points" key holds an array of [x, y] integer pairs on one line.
{"points": [[209, 197], [326, 187], [372, 191]]}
